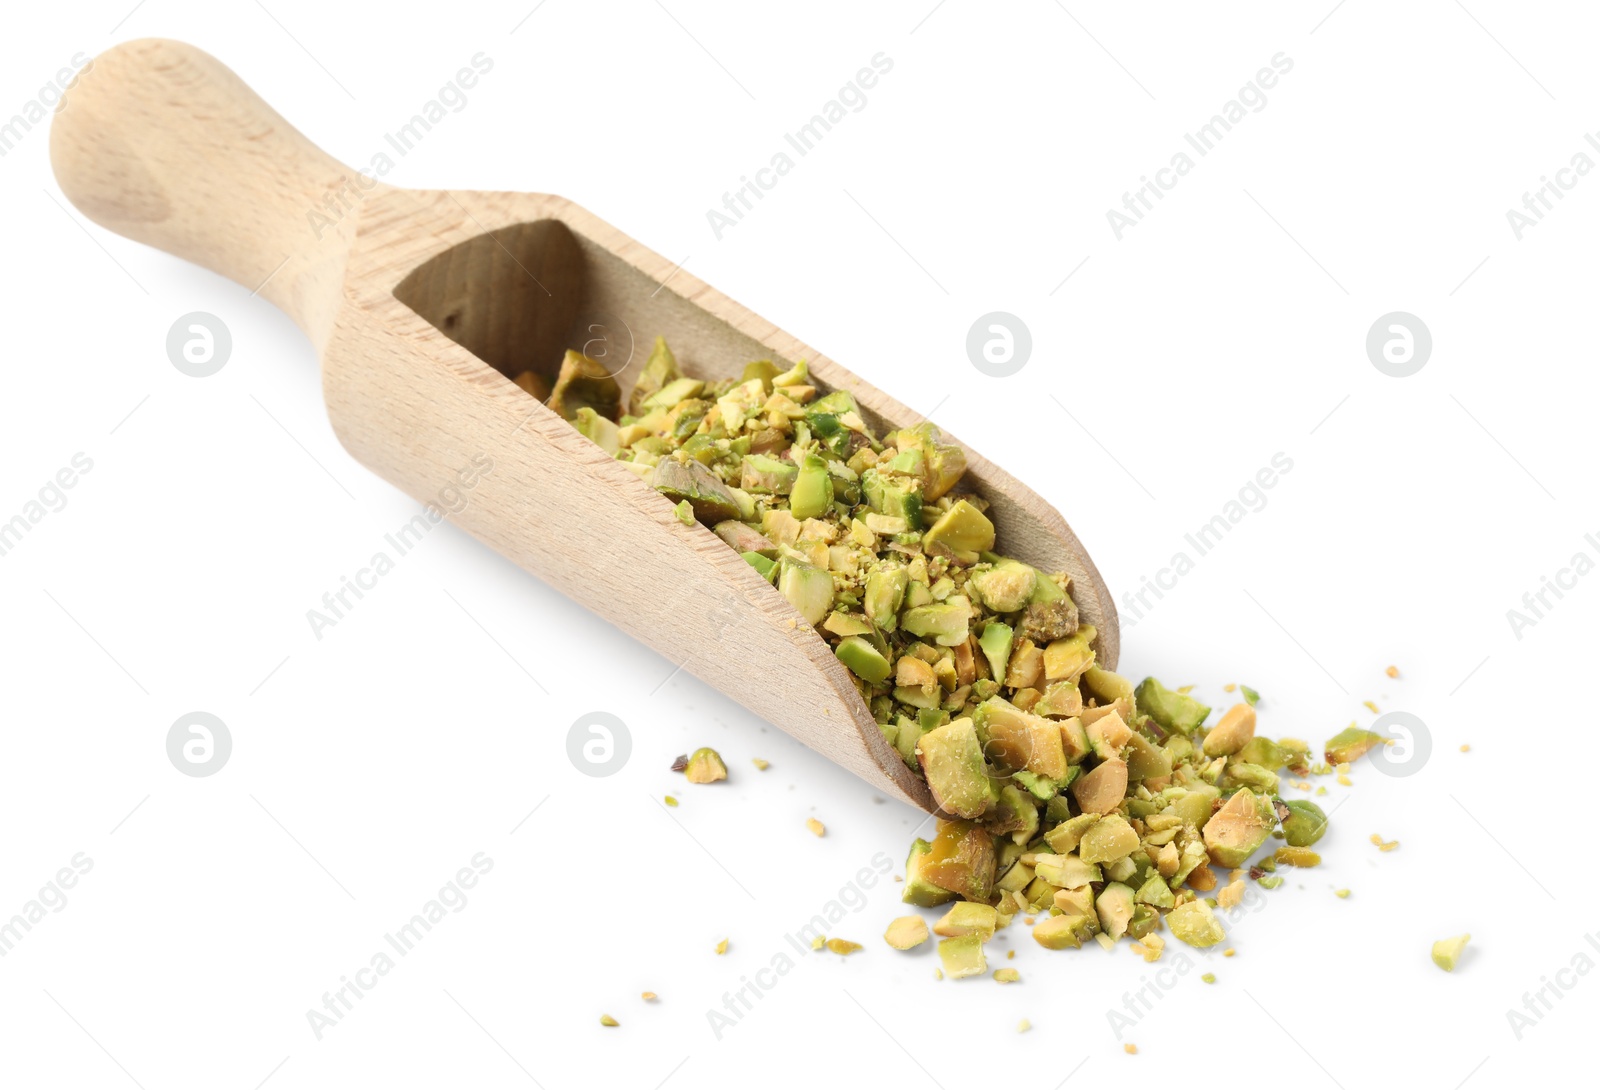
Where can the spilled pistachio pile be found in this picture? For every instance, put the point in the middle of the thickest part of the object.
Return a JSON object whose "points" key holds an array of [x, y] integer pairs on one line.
{"points": [[1069, 793]]}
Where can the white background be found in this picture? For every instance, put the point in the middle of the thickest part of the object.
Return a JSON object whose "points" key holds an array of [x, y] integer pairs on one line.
{"points": [[369, 766]]}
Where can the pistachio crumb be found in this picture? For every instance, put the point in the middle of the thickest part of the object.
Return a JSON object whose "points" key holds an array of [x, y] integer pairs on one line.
{"points": [[1131, 1049], [607, 1020], [906, 931], [648, 996], [1341, 893], [816, 827], [1007, 976], [1466, 749], [1229, 687], [818, 943], [1322, 791], [1229, 952], [1370, 706], [670, 801], [1393, 671], [843, 947], [1209, 978], [760, 764], [722, 947], [1344, 781], [1024, 1026], [1010, 954], [938, 974], [1384, 845], [1447, 951]]}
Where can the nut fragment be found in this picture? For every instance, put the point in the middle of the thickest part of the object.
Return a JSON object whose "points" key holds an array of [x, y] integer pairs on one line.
{"points": [[905, 932], [843, 947], [1446, 952], [705, 766], [607, 1020], [722, 947], [816, 827]]}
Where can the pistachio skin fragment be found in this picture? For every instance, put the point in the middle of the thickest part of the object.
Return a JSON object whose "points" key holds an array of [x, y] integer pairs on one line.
{"points": [[705, 766], [906, 932], [1446, 952]]}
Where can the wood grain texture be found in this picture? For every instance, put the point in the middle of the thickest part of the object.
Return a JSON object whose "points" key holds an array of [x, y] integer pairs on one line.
{"points": [[163, 144]]}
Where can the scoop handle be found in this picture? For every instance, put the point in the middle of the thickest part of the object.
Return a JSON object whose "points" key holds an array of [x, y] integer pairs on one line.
{"points": [[161, 142]]}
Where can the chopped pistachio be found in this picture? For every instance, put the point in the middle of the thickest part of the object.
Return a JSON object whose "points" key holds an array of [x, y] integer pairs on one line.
{"points": [[670, 801], [843, 947], [1007, 976], [705, 766], [967, 918], [607, 1020], [1341, 893], [722, 947], [1194, 923], [1393, 671], [1350, 743], [1209, 978], [1131, 1049], [962, 956], [760, 764], [816, 827], [1251, 697], [1446, 952], [1024, 1026], [905, 932], [648, 996]]}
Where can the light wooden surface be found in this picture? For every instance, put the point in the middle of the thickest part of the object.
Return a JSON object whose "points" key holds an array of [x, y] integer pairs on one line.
{"points": [[162, 143]]}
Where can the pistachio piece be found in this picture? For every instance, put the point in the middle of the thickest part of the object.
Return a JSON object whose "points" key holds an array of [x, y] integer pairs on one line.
{"points": [[1115, 908], [843, 947], [1007, 976], [961, 859], [905, 932], [1101, 790], [1109, 839], [952, 763], [1236, 727], [705, 766], [967, 918], [808, 589], [1020, 740], [919, 890], [1446, 952], [534, 384], [1195, 924], [688, 480], [962, 956], [1173, 711], [607, 1020], [961, 532], [1005, 588], [660, 369], [812, 492], [583, 382], [1350, 743], [863, 659], [1065, 932], [1240, 827], [1304, 823]]}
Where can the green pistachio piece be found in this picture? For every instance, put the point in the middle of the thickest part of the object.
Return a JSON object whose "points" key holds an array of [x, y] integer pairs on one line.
{"points": [[1446, 952], [1251, 697], [961, 859], [952, 763], [962, 957], [862, 659], [711, 500], [967, 918], [1172, 711], [895, 495], [885, 590], [812, 494], [1107, 687], [1109, 839], [945, 622], [962, 532], [810, 590], [1155, 891], [1020, 740], [761, 564], [705, 766], [761, 473], [762, 370], [743, 538], [1236, 727], [1066, 836], [1239, 828], [1195, 924], [1350, 743], [1114, 906], [918, 890], [1005, 587], [1064, 932], [673, 393], [598, 430], [1066, 659], [995, 643], [1304, 824], [660, 369], [584, 382]]}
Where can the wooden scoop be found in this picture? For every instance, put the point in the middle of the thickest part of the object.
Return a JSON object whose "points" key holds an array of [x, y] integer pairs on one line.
{"points": [[422, 302]]}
